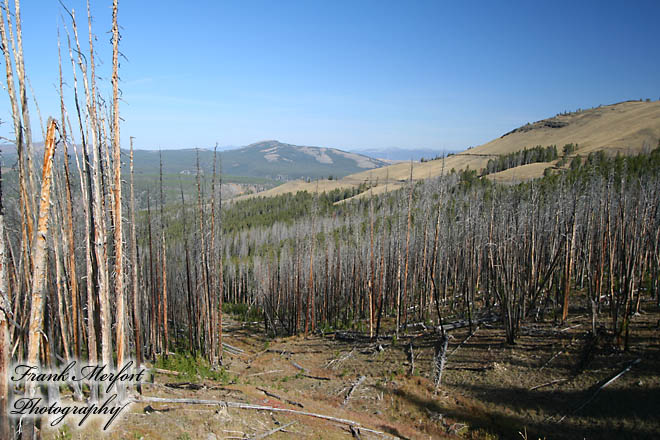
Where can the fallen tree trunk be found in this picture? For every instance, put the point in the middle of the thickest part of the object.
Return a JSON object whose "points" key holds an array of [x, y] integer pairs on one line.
{"points": [[273, 431], [228, 404], [600, 388], [283, 399], [355, 385], [464, 341]]}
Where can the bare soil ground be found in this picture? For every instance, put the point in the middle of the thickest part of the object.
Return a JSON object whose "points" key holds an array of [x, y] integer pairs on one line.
{"points": [[490, 389]]}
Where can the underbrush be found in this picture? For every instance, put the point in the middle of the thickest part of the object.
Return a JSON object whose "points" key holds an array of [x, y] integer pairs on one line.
{"points": [[191, 368], [243, 312]]}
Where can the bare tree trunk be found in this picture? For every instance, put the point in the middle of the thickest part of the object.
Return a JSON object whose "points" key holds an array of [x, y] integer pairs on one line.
{"points": [[164, 263], [26, 208], [5, 344], [310, 292], [119, 262], [191, 327], [408, 228], [372, 268], [220, 269], [204, 263], [440, 359], [69, 225], [214, 279], [152, 322], [568, 272], [134, 264], [17, 48], [39, 267]]}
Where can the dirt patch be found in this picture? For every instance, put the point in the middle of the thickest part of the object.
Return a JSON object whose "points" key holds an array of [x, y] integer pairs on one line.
{"points": [[490, 389]]}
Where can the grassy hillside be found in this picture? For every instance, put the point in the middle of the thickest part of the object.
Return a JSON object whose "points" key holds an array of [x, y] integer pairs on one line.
{"points": [[627, 128]]}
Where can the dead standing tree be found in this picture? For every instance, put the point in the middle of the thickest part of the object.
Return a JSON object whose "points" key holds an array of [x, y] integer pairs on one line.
{"points": [[39, 265], [117, 208], [5, 344]]}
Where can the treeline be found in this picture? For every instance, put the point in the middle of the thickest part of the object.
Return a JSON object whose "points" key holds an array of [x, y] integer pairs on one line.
{"points": [[522, 157], [285, 208]]}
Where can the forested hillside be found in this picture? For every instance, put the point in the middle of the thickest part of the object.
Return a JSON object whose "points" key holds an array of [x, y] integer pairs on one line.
{"points": [[457, 245]]}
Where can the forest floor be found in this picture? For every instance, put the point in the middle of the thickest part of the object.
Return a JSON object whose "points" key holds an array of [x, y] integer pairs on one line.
{"points": [[490, 390]]}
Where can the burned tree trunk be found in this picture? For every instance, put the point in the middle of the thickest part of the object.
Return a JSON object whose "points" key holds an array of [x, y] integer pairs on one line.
{"points": [[119, 262], [440, 359]]}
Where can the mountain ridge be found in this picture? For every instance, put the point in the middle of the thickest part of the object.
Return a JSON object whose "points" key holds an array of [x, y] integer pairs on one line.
{"points": [[626, 127]]}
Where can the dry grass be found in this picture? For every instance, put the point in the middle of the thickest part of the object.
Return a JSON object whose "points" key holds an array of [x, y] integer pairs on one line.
{"points": [[520, 174], [486, 391], [627, 127]]}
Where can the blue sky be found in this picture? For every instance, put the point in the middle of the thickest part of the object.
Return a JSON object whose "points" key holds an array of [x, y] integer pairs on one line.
{"points": [[352, 74]]}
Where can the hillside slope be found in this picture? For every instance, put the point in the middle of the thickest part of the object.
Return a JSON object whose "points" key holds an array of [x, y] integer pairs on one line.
{"points": [[626, 128], [280, 161], [271, 160]]}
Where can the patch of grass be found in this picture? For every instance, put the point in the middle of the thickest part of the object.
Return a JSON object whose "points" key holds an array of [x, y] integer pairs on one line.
{"points": [[468, 432], [242, 312], [64, 433], [193, 368]]}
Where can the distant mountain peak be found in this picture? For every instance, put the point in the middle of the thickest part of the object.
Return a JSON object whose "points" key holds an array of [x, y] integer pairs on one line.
{"points": [[278, 160]]}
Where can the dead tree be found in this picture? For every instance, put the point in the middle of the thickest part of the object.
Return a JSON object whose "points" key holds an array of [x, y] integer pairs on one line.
{"points": [[137, 315], [440, 358], [5, 341], [39, 266], [119, 262]]}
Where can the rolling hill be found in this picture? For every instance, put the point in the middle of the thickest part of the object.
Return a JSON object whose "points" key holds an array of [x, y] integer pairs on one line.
{"points": [[271, 160], [279, 161], [252, 168], [627, 127]]}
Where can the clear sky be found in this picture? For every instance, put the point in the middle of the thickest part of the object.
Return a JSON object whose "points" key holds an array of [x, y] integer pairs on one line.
{"points": [[353, 74]]}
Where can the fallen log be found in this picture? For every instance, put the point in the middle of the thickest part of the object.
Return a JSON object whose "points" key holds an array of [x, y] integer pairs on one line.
{"points": [[232, 348], [302, 372], [161, 371], [185, 385], [272, 431], [465, 323], [569, 328], [352, 390], [486, 368], [297, 366], [464, 341], [550, 360], [340, 359], [228, 404], [283, 399], [552, 382], [600, 388], [289, 352], [309, 376], [264, 372]]}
